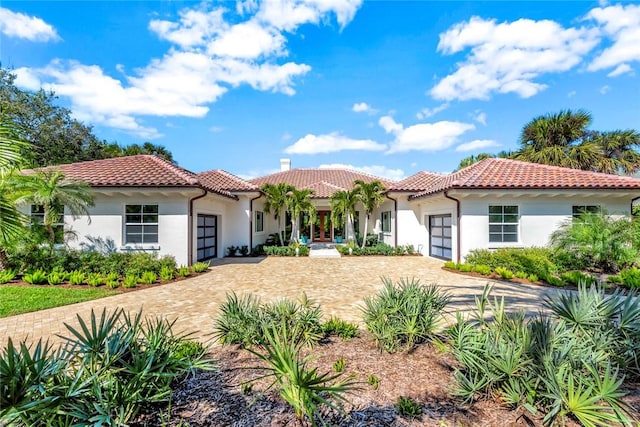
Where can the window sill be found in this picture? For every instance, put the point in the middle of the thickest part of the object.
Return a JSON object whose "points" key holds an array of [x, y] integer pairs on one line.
{"points": [[499, 245], [140, 247]]}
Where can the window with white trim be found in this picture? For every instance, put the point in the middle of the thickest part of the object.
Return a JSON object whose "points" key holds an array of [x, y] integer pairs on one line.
{"points": [[259, 221], [386, 221], [37, 219], [141, 224], [578, 210], [503, 223]]}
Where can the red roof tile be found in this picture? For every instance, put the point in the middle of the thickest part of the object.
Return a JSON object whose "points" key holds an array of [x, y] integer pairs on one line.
{"points": [[417, 182], [513, 174], [224, 180], [324, 181]]}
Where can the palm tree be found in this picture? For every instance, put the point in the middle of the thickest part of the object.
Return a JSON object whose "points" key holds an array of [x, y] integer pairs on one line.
{"points": [[298, 203], [276, 202], [618, 152], [51, 190], [343, 208], [11, 220], [371, 195], [559, 139]]}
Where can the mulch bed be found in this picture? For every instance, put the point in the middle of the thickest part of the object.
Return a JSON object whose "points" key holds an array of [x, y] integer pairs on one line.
{"points": [[217, 398]]}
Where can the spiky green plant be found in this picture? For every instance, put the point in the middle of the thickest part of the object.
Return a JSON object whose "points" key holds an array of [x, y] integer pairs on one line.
{"points": [[167, 273], [77, 277], [200, 267], [403, 315], [6, 276], [37, 277]]}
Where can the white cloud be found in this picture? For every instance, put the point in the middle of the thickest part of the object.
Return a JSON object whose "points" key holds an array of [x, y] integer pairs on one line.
{"points": [[286, 136], [605, 89], [330, 143], [429, 112], [620, 70], [19, 25], [477, 144], [480, 117], [363, 107], [507, 57], [423, 136], [571, 94], [209, 56], [622, 25], [376, 170]]}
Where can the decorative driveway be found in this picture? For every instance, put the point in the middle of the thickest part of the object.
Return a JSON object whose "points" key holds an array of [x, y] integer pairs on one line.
{"points": [[339, 285]]}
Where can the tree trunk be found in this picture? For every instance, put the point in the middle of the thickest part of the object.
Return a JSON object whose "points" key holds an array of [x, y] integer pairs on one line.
{"points": [[4, 259], [366, 230], [349, 232]]}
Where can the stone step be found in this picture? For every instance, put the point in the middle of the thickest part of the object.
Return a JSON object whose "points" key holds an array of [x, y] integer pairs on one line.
{"points": [[324, 253]]}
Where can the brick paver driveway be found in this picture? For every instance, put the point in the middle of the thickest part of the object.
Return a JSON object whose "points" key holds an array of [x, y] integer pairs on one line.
{"points": [[339, 285]]}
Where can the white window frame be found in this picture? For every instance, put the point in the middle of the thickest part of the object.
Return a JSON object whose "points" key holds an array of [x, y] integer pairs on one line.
{"points": [[585, 208], [142, 223], [259, 222], [503, 224], [38, 217]]}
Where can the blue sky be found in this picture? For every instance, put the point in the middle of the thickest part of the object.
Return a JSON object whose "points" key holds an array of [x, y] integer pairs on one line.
{"points": [[387, 87]]}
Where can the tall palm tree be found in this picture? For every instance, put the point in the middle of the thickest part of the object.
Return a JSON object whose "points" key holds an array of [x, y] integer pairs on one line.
{"points": [[618, 151], [276, 203], [343, 208], [371, 195], [51, 190], [559, 139], [11, 220], [298, 203]]}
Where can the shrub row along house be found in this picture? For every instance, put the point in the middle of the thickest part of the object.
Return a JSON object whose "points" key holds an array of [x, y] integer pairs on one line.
{"points": [[145, 203]]}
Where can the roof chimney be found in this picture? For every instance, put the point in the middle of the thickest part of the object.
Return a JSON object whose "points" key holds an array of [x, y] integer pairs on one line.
{"points": [[285, 165]]}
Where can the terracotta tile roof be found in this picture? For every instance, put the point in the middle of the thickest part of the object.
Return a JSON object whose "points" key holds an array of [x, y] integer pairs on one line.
{"points": [[322, 179], [132, 171], [417, 182], [224, 180], [514, 174]]}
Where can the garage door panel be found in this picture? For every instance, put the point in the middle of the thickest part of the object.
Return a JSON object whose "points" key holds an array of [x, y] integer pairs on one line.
{"points": [[440, 242], [207, 247]]}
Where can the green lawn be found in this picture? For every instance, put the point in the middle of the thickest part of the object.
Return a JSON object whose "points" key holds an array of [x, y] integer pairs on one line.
{"points": [[24, 299]]}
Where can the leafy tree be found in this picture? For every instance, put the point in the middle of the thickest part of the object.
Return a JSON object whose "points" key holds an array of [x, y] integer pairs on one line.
{"points": [[343, 208], [298, 203], [55, 136], [563, 139], [371, 195], [11, 221], [276, 202], [52, 191]]}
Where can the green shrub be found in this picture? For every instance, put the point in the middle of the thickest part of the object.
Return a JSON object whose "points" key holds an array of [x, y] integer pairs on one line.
{"points": [[243, 319], [603, 242], [403, 315], [342, 328], [408, 408], [148, 278], [130, 281], [37, 277], [614, 280], [570, 363], [183, 271], [533, 278], [244, 250], [290, 250], [108, 370], [485, 270], [577, 277], [504, 273], [522, 275], [77, 277], [200, 267], [555, 281], [533, 260], [339, 365], [112, 284], [452, 265], [631, 278], [232, 250], [166, 274], [55, 278], [466, 268], [190, 350], [6, 276], [95, 279]]}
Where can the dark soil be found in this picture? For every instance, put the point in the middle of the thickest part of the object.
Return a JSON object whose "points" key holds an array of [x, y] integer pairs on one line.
{"points": [[217, 398]]}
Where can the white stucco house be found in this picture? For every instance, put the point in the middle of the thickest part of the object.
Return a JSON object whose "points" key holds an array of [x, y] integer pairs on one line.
{"points": [[145, 203]]}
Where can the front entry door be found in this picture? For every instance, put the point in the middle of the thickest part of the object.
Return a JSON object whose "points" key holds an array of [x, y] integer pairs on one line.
{"points": [[322, 227]]}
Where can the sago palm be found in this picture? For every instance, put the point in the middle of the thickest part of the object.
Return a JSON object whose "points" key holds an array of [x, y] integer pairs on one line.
{"points": [[371, 195], [276, 202]]}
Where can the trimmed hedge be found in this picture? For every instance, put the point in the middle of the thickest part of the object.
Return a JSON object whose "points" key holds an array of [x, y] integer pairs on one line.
{"points": [[529, 260]]}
